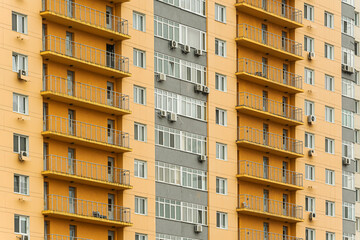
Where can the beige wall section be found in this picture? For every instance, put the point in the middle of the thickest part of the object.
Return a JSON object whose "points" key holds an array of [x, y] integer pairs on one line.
{"points": [[321, 129], [9, 123]]}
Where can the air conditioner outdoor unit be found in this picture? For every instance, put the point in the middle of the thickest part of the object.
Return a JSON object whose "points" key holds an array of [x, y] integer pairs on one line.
{"points": [[346, 161], [162, 113], [206, 90], [311, 152], [312, 216], [198, 52], [351, 69], [311, 55], [311, 119], [186, 49], [198, 88], [202, 158], [22, 75], [172, 117], [198, 228], [161, 77], [173, 44], [347, 68], [23, 156]]}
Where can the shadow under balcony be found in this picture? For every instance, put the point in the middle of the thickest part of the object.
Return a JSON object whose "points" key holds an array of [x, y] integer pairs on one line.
{"points": [[269, 43], [84, 95], [75, 209], [260, 140], [268, 175], [85, 134], [86, 19], [272, 11], [88, 58], [268, 208], [265, 108], [253, 234], [62, 168], [265, 75]]}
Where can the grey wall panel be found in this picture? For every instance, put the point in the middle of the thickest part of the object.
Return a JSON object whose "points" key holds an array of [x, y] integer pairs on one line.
{"points": [[347, 10], [180, 229], [348, 104], [349, 168], [347, 134], [184, 124], [348, 196], [348, 226], [180, 193]]}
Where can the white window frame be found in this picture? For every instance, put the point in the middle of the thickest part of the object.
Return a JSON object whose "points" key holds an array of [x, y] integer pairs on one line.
{"points": [[356, 19], [330, 236], [309, 204], [330, 208], [348, 88], [348, 149], [221, 117], [138, 208], [140, 236], [221, 151], [350, 2], [310, 234], [357, 224], [220, 47], [329, 20], [19, 136], [309, 76], [309, 140], [23, 184], [309, 108], [329, 51], [22, 219], [220, 82], [308, 12], [329, 82], [329, 114], [347, 119], [139, 21], [17, 99], [196, 7], [347, 57], [330, 177], [348, 180], [21, 23], [141, 130], [221, 185], [329, 145], [139, 59], [309, 172], [347, 26], [221, 220], [139, 95], [357, 195], [309, 44], [18, 58], [138, 165], [348, 236], [349, 211], [220, 13]]}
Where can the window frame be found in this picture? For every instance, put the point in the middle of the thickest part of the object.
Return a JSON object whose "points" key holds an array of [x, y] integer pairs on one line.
{"points": [[19, 98], [136, 17], [137, 59], [20, 187], [221, 186], [16, 58], [21, 218], [137, 208], [137, 165], [218, 8], [23, 27], [311, 137], [137, 95], [221, 220], [329, 17], [309, 172], [329, 82], [220, 47], [221, 117], [329, 145], [330, 177], [140, 126], [19, 143], [309, 12], [220, 82], [309, 75], [221, 147], [310, 204]]}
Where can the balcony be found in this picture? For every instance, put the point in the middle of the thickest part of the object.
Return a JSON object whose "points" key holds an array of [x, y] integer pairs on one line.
{"points": [[62, 168], [84, 95], [252, 234], [85, 134], [85, 19], [62, 237], [265, 108], [269, 43], [269, 175], [267, 208], [88, 58], [269, 142], [265, 75], [75, 209], [272, 11]]}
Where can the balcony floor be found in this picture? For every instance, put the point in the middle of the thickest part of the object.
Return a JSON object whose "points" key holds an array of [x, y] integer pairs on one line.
{"points": [[83, 26], [264, 148], [246, 42], [84, 180], [268, 16], [267, 116], [87, 66], [85, 142], [80, 218], [84, 103], [264, 181], [257, 213]]}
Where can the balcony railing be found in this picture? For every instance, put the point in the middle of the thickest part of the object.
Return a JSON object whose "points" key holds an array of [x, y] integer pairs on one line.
{"points": [[269, 39], [85, 53], [85, 208], [87, 170], [270, 106], [86, 131], [266, 172], [86, 92], [268, 206], [272, 140], [276, 75], [86, 15], [277, 8], [252, 234], [62, 237]]}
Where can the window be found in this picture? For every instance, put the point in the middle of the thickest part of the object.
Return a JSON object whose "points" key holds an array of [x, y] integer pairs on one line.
{"points": [[347, 57], [139, 21], [357, 194], [348, 180], [329, 145], [160, 236], [309, 172], [139, 58], [330, 236], [329, 51], [220, 13], [309, 204], [309, 108], [329, 114], [19, 22], [221, 151], [309, 76], [309, 140], [21, 224], [330, 208], [357, 165], [348, 211], [21, 184], [329, 82], [356, 19], [140, 205], [348, 149], [309, 234], [348, 236], [139, 95], [357, 224], [308, 12], [329, 20], [348, 88], [140, 169], [21, 143], [308, 44], [221, 185], [197, 7], [351, 2], [221, 220], [220, 47], [20, 103], [357, 48], [220, 82], [139, 236], [140, 132], [347, 26], [19, 62], [347, 119], [329, 177], [221, 117]]}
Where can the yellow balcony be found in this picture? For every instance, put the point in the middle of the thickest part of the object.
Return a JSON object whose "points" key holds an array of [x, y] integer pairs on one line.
{"points": [[268, 208], [62, 237], [272, 11], [84, 95], [269, 43], [80, 210], [265, 108], [269, 142], [62, 168], [85, 19], [265, 75], [88, 58], [253, 234], [85, 134], [269, 175]]}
